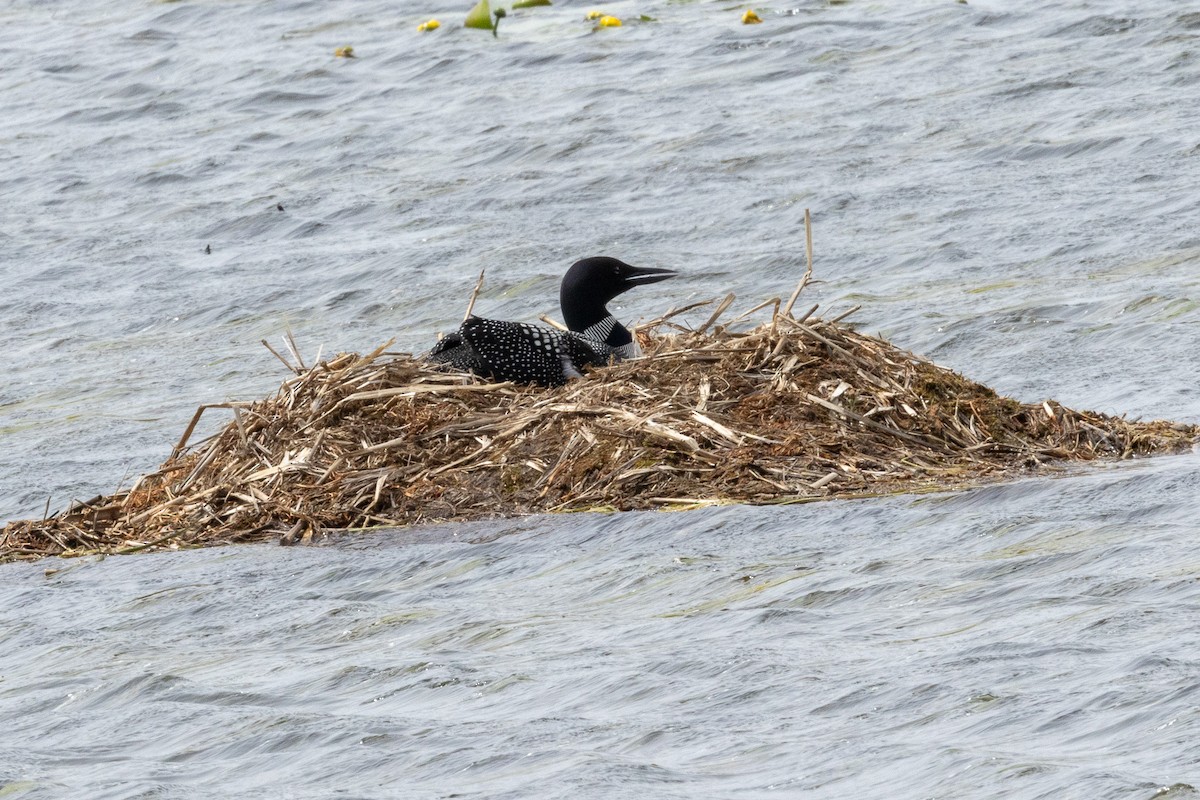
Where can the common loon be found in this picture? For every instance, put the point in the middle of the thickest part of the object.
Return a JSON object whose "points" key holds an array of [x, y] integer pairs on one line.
{"points": [[521, 353]]}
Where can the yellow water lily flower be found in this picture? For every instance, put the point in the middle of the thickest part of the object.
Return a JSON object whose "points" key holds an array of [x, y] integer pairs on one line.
{"points": [[344, 52], [608, 22], [750, 18], [431, 25]]}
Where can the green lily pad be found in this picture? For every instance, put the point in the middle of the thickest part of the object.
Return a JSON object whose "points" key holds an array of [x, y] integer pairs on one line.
{"points": [[480, 16]]}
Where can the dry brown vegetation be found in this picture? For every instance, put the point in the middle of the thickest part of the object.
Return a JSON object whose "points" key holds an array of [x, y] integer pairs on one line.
{"points": [[792, 410]]}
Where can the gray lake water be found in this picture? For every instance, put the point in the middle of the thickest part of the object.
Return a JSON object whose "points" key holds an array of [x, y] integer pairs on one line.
{"points": [[1011, 188]]}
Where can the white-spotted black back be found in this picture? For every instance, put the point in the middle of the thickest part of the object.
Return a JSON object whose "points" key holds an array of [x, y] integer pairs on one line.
{"points": [[454, 351], [522, 353]]}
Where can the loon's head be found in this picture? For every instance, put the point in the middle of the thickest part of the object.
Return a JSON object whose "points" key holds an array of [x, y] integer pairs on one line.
{"points": [[589, 285]]}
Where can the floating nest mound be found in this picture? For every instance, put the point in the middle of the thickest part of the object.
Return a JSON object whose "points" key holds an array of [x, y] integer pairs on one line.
{"points": [[790, 411]]}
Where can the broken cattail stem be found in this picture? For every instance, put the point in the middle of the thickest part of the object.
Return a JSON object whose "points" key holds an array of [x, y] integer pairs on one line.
{"points": [[474, 295], [726, 303], [291, 343], [844, 314], [282, 360], [553, 323], [787, 310]]}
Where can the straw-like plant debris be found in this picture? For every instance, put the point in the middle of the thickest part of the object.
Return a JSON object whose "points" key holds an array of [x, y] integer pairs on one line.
{"points": [[793, 410]]}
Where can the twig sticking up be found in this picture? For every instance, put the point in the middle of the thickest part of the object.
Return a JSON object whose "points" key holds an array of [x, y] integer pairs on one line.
{"points": [[808, 237], [773, 301], [844, 314], [291, 343], [474, 294], [553, 323], [275, 353], [808, 250], [674, 312], [726, 303]]}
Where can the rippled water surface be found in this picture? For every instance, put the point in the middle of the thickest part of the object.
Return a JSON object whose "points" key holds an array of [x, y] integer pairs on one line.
{"points": [[1012, 188], [1029, 640]]}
